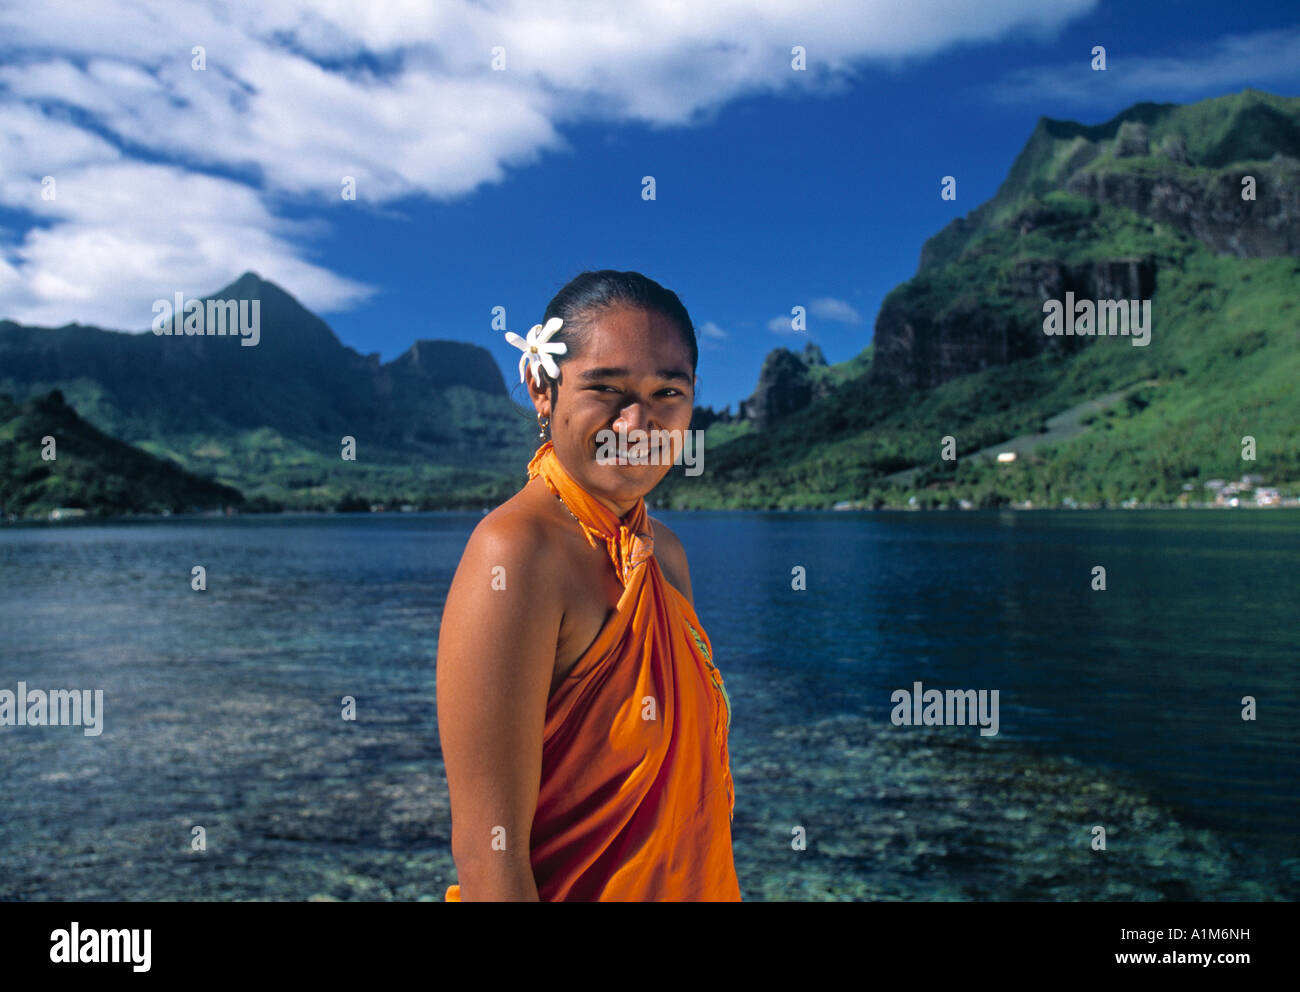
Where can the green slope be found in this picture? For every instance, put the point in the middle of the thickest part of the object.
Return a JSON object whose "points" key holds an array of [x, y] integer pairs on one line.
{"points": [[1223, 359], [434, 427], [1241, 127], [89, 471], [1225, 353]]}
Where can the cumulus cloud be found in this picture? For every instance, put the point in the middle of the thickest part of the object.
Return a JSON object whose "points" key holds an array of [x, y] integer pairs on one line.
{"points": [[829, 308], [824, 308], [402, 95], [783, 324], [103, 257]]}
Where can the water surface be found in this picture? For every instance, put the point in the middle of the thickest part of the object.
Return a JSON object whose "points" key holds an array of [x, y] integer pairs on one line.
{"points": [[1119, 707]]}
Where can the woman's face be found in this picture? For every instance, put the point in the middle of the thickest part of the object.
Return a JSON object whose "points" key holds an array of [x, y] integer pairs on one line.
{"points": [[633, 374]]}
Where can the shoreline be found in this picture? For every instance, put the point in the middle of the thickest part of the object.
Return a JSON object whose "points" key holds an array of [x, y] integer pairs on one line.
{"points": [[1022, 507]]}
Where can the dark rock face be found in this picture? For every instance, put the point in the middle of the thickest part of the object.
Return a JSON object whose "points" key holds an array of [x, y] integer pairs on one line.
{"points": [[812, 355], [1115, 279], [1211, 209], [1133, 140], [920, 350], [1174, 148], [783, 389], [1188, 183], [916, 350]]}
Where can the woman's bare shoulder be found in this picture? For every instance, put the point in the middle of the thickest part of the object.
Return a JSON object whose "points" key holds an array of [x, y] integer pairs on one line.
{"points": [[518, 530]]}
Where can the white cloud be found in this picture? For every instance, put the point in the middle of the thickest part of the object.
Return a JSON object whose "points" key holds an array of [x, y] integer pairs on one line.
{"points": [[399, 94], [119, 242], [825, 308], [709, 335], [1264, 60], [829, 308], [782, 324]]}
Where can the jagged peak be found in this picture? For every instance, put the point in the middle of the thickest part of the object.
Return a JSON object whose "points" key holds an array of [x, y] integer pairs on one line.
{"points": [[250, 285]]}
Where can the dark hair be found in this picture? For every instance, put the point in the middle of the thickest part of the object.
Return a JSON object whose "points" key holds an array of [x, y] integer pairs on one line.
{"points": [[590, 294]]}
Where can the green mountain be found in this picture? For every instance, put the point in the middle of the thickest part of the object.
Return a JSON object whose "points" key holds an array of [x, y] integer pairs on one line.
{"points": [[434, 427], [1148, 206], [1195, 209], [88, 470]]}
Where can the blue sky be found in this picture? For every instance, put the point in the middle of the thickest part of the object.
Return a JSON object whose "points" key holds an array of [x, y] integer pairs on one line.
{"points": [[479, 188]]}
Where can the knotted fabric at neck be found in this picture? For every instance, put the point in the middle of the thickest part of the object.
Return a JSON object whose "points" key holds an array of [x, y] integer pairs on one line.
{"points": [[629, 540]]}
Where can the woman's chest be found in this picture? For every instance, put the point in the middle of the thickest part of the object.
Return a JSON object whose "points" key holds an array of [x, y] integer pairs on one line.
{"points": [[591, 593]]}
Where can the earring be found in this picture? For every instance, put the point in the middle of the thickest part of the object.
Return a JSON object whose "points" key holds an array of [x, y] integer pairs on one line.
{"points": [[543, 427]]}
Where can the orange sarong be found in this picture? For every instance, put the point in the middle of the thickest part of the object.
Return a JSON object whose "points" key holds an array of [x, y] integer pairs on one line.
{"points": [[636, 798]]}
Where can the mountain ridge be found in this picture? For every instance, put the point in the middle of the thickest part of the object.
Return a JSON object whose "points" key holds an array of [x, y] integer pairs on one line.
{"points": [[1143, 206], [959, 348], [288, 401]]}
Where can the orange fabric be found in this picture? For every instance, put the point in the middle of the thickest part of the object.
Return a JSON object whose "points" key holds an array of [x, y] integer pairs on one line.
{"points": [[631, 808]]}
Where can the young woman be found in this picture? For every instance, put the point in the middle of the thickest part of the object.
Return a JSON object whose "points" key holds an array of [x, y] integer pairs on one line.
{"points": [[583, 724]]}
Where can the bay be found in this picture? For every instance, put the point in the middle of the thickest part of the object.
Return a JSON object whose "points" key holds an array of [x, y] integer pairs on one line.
{"points": [[1119, 708]]}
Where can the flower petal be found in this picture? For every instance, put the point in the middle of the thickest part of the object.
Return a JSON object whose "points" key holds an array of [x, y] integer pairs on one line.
{"points": [[548, 363], [552, 325], [523, 360], [516, 340]]}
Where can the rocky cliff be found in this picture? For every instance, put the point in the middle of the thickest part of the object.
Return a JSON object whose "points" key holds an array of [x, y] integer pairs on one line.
{"points": [[1209, 206], [785, 386], [1096, 211]]}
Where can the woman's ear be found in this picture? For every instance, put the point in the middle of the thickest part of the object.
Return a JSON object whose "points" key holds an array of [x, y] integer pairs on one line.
{"points": [[541, 396]]}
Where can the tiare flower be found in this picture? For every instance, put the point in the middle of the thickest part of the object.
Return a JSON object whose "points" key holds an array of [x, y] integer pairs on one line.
{"points": [[538, 348]]}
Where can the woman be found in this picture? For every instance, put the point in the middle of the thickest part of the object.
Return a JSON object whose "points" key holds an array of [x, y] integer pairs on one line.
{"points": [[583, 725]]}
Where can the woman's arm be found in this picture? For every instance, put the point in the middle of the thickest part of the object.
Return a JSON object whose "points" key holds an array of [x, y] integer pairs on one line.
{"points": [[496, 658]]}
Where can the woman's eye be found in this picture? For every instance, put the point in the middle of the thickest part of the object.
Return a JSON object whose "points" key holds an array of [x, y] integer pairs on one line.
{"points": [[670, 391]]}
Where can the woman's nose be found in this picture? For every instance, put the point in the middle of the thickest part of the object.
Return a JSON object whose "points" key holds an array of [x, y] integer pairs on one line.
{"points": [[631, 418]]}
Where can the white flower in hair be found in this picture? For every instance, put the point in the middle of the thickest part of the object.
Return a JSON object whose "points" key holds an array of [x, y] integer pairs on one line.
{"points": [[538, 349]]}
